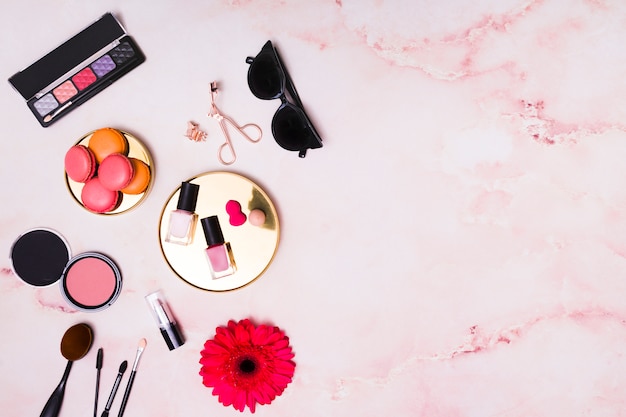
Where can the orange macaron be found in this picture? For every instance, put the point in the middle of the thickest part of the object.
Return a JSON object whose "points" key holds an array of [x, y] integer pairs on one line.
{"points": [[141, 177], [107, 141]]}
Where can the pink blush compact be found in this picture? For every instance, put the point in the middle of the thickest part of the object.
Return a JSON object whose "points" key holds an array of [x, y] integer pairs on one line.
{"points": [[91, 282]]}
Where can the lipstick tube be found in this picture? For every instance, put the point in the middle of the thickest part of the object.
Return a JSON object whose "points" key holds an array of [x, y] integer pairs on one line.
{"points": [[165, 320]]}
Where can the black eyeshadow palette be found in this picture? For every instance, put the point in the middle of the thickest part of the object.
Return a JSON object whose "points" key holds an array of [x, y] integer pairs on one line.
{"points": [[77, 70]]}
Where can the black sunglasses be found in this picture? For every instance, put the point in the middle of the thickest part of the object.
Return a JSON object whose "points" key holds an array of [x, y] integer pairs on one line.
{"points": [[268, 80]]}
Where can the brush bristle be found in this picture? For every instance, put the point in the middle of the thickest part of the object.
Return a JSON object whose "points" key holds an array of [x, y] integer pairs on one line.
{"points": [[142, 344]]}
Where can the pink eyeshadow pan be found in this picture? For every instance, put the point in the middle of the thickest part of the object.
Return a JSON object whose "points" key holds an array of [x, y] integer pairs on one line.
{"points": [[65, 91], [91, 282], [84, 78]]}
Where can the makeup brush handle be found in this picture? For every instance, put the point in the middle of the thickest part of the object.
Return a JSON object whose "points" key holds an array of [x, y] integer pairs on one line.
{"points": [[95, 405], [116, 385], [127, 393], [53, 405]]}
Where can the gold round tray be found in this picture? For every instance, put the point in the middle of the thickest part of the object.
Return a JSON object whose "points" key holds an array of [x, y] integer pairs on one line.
{"points": [[253, 247], [136, 149]]}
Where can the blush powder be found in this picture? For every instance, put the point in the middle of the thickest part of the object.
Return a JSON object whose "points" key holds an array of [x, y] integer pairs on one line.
{"points": [[91, 281]]}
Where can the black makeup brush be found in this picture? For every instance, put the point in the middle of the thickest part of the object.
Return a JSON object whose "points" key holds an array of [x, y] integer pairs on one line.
{"points": [[116, 385], [98, 368], [140, 348]]}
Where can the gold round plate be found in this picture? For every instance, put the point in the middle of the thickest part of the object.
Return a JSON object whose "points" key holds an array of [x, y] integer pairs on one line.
{"points": [[253, 247], [136, 149]]}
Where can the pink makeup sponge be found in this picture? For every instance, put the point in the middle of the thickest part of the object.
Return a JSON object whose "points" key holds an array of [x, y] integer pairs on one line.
{"points": [[99, 199], [80, 163], [235, 215], [116, 172], [257, 217]]}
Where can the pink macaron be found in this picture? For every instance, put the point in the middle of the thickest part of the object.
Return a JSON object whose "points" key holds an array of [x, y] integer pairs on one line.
{"points": [[80, 163], [99, 199], [116, 172]]}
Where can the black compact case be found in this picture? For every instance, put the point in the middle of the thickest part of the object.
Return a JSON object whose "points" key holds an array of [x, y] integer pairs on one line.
{"points": [[77, 70]]}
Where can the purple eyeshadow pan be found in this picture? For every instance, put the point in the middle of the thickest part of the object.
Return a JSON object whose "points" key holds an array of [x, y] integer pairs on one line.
{"points": [[46, 104], [103, 66]]}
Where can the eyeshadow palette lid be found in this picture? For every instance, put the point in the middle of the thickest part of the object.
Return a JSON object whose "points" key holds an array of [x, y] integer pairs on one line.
{"points": [[39, 256], [32, 80]]}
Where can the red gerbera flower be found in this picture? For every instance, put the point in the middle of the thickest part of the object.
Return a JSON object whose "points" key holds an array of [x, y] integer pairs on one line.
{"points": [[246, 365]]}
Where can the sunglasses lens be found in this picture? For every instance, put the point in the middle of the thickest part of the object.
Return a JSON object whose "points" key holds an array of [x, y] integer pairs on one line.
{"points": [[265, 78], [290, 128]]}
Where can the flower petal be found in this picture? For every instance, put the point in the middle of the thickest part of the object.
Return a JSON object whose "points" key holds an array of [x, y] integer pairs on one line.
{"points": [[239, 400]]}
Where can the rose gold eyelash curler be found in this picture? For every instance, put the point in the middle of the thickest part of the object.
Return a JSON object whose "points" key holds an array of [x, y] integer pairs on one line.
{"points": [[224, 121]]}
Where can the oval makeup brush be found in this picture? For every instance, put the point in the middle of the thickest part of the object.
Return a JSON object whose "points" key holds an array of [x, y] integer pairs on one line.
{"points": [[116, 385], [140, 348]]}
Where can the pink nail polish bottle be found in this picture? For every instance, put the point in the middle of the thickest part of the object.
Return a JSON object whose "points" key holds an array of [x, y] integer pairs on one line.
{"points": [[183, 220], [218, 252]]}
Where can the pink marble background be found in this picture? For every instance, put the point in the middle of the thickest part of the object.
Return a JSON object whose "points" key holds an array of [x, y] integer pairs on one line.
{"points": [[457, 248]]}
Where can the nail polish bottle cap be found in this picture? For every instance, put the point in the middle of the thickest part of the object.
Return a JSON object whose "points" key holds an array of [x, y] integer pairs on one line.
{"points": [[188, 197], [212, 231]]}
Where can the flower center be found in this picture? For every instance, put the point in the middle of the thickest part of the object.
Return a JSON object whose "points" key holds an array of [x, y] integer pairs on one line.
{"points": [[247, 366]]}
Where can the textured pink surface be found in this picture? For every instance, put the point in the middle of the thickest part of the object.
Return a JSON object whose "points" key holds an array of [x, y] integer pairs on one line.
{"points": [[90, 281], [84, 78], [457, 248], [65, 91]]}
